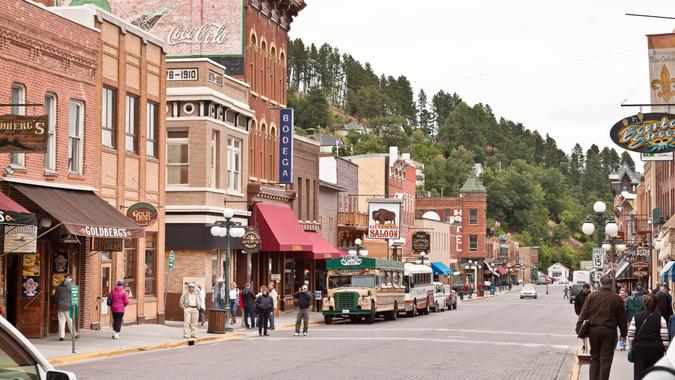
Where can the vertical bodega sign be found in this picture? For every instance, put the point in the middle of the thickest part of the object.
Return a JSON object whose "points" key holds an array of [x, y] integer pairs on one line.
{"points": [[286, 146]]}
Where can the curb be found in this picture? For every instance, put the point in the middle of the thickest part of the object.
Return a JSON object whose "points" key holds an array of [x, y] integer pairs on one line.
{"points": [[576, 367], [105, 354]]}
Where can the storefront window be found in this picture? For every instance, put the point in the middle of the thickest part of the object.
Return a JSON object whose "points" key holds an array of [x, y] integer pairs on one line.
{"points": [[130, 266], [150, 267]]}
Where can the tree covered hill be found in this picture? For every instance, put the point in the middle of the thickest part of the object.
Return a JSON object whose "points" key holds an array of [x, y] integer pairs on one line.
{"points": [[538, 192]]}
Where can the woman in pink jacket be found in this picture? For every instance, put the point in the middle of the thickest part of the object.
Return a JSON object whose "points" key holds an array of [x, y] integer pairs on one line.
{"points": [[120, 300]]}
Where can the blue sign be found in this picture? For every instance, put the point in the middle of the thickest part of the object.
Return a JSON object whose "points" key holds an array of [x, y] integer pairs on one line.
{"points": [[286, 146]]}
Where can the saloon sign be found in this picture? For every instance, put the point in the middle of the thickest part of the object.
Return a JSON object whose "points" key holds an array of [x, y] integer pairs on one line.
{"points": [[646, 133], [143, 214], [23, 134], [384, 216]]}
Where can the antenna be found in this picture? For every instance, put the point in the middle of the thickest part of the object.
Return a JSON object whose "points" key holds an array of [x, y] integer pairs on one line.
{"points": [[650, 16]]}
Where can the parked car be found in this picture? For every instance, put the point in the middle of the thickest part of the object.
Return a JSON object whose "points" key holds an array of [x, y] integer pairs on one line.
{"points": [[19, 359], [541, 280], [528, 291], [451, 296], [440, 298]]}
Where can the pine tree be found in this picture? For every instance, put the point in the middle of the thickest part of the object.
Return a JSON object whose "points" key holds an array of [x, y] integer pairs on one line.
{"points": [[425, 119]]}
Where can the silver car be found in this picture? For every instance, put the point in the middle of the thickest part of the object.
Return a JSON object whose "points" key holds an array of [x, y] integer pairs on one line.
{"points": [[528, 291], [19, 359]]}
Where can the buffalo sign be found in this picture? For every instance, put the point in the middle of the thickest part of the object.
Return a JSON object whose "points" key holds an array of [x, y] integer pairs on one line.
{"points": [[384, 216]]}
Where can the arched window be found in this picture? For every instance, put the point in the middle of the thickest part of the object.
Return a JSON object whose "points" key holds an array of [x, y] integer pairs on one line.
{"points": [[262, 148], [263, 68], [251, 148], [273, 70], [251, 60]]}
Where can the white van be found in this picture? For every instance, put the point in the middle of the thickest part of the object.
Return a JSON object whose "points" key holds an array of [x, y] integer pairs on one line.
{"points": [[440, 298], [21, 360]]}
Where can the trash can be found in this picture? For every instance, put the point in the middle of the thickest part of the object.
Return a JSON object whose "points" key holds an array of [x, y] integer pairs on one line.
{"points": [[216, 321]]}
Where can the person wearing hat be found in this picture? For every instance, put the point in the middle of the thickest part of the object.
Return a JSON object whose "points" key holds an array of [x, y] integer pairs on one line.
{"points": [[63, 301], [119, 301], [219, 294], [190, 303], [604, 312]]}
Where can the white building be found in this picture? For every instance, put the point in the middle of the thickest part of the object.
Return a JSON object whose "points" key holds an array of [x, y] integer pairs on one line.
{"points": [[558, 271]]}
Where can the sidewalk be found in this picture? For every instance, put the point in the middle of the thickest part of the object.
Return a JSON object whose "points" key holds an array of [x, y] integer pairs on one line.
{"points": [[94, 344], [622, 369], [514, 289]]}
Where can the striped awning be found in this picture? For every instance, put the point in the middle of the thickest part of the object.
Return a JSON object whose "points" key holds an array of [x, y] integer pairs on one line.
{"points": [[667, 271]]}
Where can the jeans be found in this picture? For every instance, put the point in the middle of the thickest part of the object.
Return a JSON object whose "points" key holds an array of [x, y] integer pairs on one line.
{"points": [[272, 319], [219, 304], [249, 312], [117, 321], [303, 316], [263, 316]]}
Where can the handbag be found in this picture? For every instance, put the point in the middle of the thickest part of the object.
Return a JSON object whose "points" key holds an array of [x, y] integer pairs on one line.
{"points": [[631, 352], [583, 330], [108, 301]]}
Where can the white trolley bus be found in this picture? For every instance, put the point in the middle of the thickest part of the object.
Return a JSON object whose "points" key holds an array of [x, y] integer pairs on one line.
{"points": [[419, 289]]}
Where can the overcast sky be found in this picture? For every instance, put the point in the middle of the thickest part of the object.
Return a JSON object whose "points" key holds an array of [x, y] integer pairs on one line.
{"points": [[560, 67]]}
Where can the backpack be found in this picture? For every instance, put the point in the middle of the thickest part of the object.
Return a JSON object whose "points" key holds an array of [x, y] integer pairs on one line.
{"points": [[109, 300]]}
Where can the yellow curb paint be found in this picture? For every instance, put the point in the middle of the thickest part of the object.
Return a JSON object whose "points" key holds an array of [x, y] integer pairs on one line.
{"points": [[576, 367], [105, 354]]}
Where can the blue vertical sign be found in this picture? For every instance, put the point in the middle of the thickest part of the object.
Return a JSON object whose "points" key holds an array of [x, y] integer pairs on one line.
{"points": [[286, 146]]}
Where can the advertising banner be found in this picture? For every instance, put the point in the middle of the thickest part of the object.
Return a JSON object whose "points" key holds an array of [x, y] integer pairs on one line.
{"points": [[286, 145], [384, 218], [661, 70]]}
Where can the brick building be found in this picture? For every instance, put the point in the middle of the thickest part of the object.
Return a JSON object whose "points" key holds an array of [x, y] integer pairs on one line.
{"points": [[349, 223], [207, 128], [130, 109]]}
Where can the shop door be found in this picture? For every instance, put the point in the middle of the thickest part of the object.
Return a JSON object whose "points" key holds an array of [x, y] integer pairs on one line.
{"points": [[30, 296], [106, 288]]}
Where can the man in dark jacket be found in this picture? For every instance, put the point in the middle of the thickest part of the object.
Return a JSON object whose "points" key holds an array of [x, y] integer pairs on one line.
{"points": [[249, 305], [604, 311], [263, 305], [63, 301], [581, 297], [304, 298], [665, 303]]}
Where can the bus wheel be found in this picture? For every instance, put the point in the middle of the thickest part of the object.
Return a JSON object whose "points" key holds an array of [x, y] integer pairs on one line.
{"points": [[412, 312], [328, 319], [391, 315], [370, 318]]}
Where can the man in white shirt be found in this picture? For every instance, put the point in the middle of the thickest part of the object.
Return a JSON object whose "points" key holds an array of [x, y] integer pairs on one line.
{"points": [[190, 302]]}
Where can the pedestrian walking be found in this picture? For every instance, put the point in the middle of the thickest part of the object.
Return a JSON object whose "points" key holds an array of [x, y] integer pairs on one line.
{"points": [[249, 305], [665, 303], [218, 294], [263, 305], [202, 304], [118, 302], [275, 297], [566, 293], [656, 290], [581, 298], [190, 302], [648, 337], [603, 311], [304, 298], [633, 305], [241, 307], [546, 287], [234, 302], [623, 295], [63, 303]]}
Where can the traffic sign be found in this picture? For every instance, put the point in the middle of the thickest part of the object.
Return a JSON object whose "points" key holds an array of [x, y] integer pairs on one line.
{"points": [[598, 258], [172, 259], [74, 300]]}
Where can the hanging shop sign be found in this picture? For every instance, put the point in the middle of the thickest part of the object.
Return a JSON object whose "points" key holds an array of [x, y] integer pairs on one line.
{"points": [[384, 218], [286, 145], [421, 241], [23, 134], [640, 269], [251, 240], [143, 214], [646, 133], [107, 244], [21, 239]]}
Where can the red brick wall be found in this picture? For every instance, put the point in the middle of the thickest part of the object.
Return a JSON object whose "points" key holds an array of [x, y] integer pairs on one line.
{"points": [[47, 53]]}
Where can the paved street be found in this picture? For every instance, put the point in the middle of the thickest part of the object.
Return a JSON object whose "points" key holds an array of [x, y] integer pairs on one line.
{"points": [[499, 337]]}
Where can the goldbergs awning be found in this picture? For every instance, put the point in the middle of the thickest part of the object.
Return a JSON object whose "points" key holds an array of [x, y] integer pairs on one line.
{"points": [[82, 213]]}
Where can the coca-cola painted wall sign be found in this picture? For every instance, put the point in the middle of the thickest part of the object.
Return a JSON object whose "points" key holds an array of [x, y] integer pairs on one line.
{"points": [[189, 28]]}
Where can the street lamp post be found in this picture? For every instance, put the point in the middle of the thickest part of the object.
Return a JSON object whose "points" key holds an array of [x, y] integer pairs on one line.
{"points": [[358, 250], [600, 219], [228, 229]]}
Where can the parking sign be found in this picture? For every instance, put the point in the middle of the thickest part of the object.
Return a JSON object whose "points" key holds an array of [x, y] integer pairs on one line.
{"points": [[598, 258]]}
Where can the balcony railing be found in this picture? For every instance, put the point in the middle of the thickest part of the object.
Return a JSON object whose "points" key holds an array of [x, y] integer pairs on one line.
{"points": [[353, 219]]}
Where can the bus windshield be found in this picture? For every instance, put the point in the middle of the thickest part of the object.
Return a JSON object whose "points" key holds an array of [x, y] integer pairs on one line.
{"points": [[346, 281]]}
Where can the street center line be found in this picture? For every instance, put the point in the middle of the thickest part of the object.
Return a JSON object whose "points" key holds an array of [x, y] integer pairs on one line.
{"points": [[450, 330]]}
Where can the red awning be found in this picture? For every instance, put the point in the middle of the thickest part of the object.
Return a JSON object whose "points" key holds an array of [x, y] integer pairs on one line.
{"points": [[279, 229], [501, 270], [321, 248], [13, 213]]}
